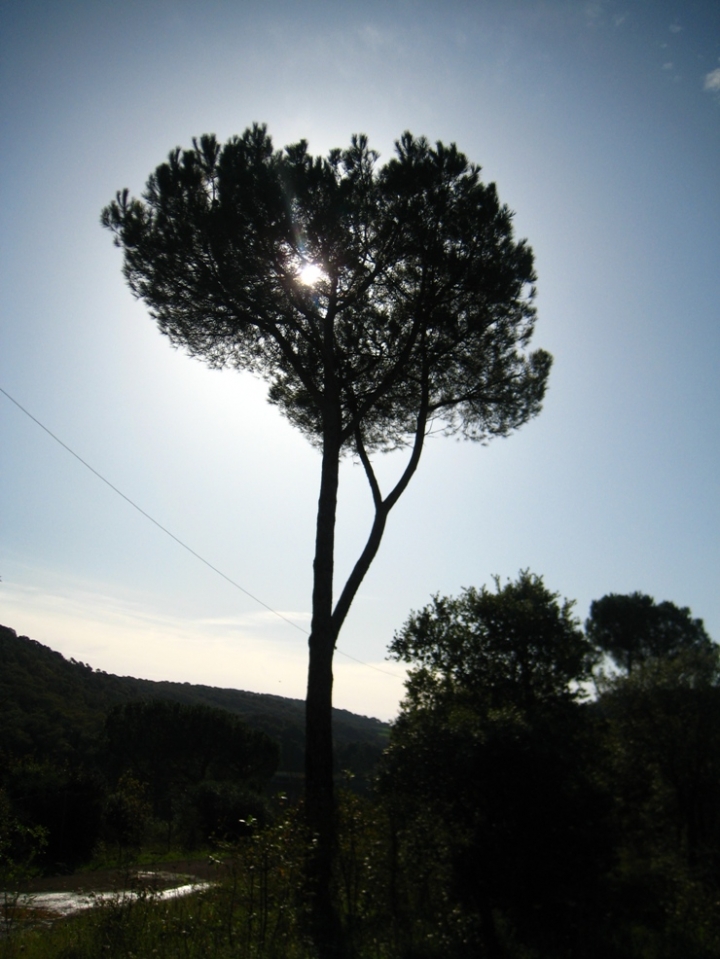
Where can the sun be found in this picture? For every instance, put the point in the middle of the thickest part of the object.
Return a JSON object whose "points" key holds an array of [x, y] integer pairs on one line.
{"points": [[310, 274]]}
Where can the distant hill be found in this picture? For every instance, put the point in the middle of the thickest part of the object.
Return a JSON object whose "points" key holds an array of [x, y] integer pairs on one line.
{"points": [[53, 705]]}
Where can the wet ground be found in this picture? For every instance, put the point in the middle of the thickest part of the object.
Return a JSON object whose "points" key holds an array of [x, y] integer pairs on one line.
{"points": [[55, 896], [107, 880]]}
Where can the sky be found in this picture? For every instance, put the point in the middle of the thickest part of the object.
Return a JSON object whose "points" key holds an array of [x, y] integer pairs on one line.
{"points": [[600, 124]]}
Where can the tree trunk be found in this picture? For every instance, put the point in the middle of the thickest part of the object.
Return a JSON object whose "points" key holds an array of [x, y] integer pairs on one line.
{"points": [[319, 794]]}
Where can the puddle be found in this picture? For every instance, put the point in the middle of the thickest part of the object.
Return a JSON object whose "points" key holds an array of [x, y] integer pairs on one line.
{"points": [[60, 904]]}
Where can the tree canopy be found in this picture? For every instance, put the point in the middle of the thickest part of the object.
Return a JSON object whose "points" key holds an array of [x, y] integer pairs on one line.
{"points": [[423, 301], [633, 629], [526, 819], [489, 768], [173, 742], [518, 644]]}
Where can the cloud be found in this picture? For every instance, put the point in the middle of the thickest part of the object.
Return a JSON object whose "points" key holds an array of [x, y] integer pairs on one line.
{"points": [[118, 634], [259, 617], [376, 39], [675, 28], [667, 66], [712, 81]]}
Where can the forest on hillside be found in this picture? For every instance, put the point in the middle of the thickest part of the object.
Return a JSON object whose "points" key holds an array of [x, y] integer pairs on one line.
{"points": [[75, 750], [547, 790]]}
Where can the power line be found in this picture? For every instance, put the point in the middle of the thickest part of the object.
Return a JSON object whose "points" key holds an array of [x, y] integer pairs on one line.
{"points": [[176, 538], [148, 516]]}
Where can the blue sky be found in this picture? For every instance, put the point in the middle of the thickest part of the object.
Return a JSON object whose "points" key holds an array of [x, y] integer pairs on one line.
{"points": [[600, 124]]}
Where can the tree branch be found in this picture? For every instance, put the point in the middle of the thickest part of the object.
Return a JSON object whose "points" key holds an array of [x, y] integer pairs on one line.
{"points": [[382, 509], [369, 471]]}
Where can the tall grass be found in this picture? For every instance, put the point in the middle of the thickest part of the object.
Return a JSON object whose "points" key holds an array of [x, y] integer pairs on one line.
{"points": [[252, 910], [256, 909]]}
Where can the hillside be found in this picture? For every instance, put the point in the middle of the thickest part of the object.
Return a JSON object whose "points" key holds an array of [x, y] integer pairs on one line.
{"points": [[50, 705]]}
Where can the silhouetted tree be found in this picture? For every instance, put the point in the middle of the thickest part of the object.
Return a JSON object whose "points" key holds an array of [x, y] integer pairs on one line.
{"points": [[65, 801], [515, 646], [661, 762], [489, 771], [377, 303], [634, 628]]}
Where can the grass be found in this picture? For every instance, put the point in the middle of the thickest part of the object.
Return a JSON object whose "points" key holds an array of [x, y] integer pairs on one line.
{"points": [[251, 911], [255, 910], [212, 924]]}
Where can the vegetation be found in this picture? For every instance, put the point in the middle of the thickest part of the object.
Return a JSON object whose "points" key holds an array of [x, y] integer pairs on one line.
{"points": [[514, 816], [51, 705], [104, 764], [634, 630], [491, 768]]}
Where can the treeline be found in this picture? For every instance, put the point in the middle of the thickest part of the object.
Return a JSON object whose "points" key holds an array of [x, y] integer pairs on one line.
{"points": [[52, 704], [107, 763]]}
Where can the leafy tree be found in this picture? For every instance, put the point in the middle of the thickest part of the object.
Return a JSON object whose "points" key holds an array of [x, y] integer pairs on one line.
{"points": [[126, 813], [489, 771], [377, 304], [661, 762], [515, 646], [65, 801], [634, 628], [19, 845]]}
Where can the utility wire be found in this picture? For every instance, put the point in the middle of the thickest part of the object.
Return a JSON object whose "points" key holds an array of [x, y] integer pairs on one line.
{"points": [[148, 516], [177, 539]]}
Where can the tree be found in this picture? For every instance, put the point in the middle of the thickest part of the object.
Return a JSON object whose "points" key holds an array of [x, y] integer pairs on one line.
{"points": [[633, 628], [489, 770], [516, 646], [661, 762], [377, 303]]}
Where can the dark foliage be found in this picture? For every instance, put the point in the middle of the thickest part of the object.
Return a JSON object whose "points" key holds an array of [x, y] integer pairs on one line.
{"points": [[660, 760], [515, 819], [526, 822], [52, 706], [92, 757], [66, 801], [515, 647], [633, 629], [489, 768], [423, 290], [187, 755]]}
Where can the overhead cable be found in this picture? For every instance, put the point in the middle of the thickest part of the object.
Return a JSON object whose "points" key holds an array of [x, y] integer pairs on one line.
{"points": [[176, 538]]}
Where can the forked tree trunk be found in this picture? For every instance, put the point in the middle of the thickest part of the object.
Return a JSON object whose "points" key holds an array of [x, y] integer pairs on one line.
{"points": [[319, 791]]}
